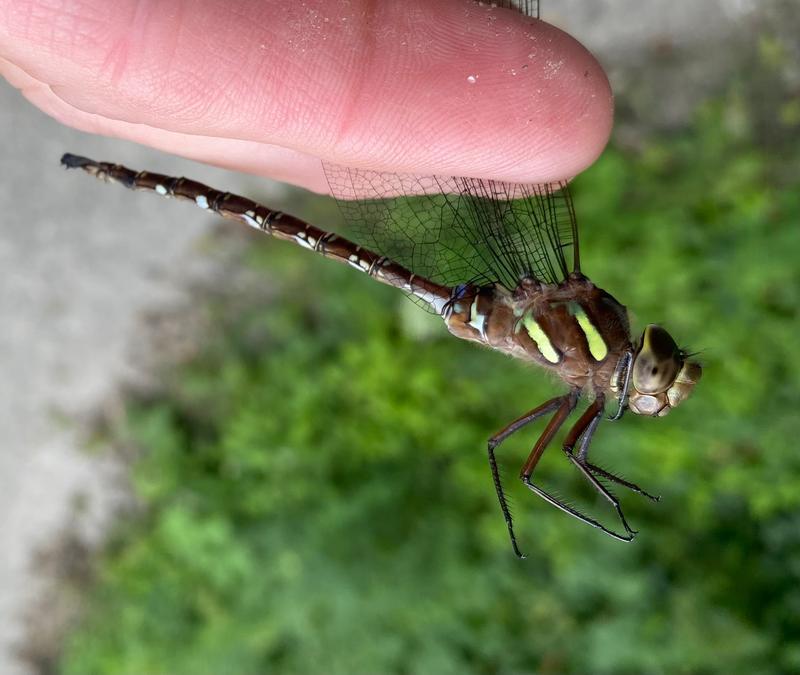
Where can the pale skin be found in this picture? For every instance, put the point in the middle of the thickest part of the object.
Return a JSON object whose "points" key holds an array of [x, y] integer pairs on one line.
{"points": [[271, 87]]}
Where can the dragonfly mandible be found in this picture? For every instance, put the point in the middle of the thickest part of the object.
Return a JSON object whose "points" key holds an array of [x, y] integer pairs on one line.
{"points": [[500, 264]]}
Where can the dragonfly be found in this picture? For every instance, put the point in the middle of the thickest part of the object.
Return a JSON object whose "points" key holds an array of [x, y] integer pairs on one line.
{"points": [[500, 264]]}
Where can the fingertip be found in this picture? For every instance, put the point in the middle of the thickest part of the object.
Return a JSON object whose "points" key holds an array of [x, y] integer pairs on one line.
{"points": [[495, 94], [450, 87]]}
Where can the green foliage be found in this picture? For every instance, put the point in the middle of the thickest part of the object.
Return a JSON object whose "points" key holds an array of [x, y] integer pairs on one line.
{"points": [[317, 496]]}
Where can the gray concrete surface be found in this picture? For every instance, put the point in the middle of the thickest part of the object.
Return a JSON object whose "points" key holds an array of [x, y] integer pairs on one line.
{"points": [[80, 262]]}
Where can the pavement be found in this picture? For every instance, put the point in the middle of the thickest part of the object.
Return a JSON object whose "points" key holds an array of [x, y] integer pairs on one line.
{"points": [[82, 263], [80, 266]]}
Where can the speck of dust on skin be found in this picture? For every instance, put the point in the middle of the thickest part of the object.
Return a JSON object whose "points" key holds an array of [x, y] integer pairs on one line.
{"points": [[552, 68]]}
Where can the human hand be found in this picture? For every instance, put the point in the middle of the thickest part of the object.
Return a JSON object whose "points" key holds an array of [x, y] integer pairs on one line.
{"points": [[270, 87]]}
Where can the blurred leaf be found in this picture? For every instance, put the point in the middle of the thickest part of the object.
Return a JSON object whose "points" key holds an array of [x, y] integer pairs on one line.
{"points": [[317, 493]]}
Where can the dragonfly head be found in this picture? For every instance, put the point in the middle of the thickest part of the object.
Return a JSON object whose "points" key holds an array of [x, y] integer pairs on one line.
{"points": [[662, 376]]}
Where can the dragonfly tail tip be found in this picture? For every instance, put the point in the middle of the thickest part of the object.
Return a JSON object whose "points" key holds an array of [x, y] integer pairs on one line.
{"points": [[70, 161]]}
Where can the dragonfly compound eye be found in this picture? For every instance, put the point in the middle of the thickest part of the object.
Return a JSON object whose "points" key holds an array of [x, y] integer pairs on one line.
{"points": [[658, 362]]}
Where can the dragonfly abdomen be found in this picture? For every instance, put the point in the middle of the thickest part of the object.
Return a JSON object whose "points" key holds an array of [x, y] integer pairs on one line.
{"points": [[273, 222]]}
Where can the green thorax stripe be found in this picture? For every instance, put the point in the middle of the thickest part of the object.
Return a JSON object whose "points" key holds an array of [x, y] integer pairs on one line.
{"points": [[597, 345], [537, 334]]}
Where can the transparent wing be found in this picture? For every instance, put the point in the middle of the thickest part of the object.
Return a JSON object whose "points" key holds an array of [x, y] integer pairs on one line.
{"points": [[529, 7], [456, 230]]}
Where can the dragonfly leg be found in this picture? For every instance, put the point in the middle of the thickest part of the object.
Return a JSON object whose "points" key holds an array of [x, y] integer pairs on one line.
{"points": [[497, 439], [565, 408], [599, 471], [583, 454], [584, 428]]}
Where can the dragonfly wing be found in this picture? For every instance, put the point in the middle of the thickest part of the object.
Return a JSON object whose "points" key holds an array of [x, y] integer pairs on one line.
{"points": [[528, 7], [457, 230]]}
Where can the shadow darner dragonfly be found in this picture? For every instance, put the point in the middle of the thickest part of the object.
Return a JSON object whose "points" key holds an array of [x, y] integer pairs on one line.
{"points": [[500, 263]]}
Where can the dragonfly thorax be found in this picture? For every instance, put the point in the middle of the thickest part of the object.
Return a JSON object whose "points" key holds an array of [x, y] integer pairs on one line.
{"points": [[574, 328]]}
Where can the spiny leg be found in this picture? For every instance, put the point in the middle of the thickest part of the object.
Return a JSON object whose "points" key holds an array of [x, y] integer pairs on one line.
{"points": [[497, 439], [584, 428], [561, 415], [599, 471], [583, 453]]}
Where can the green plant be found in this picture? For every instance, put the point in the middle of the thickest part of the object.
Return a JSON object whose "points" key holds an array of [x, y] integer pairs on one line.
{"points": [[317, 498]]}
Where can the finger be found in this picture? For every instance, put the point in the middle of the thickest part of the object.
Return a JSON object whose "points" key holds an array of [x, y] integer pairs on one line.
{"points": [[449, 87]]}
